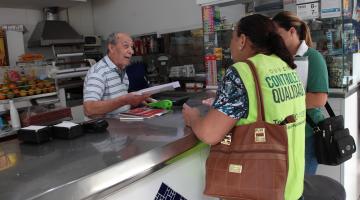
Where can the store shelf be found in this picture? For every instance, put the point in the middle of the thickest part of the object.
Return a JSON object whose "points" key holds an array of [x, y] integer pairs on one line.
{"points": [[28, 97], [22, 102], [7, 133]]}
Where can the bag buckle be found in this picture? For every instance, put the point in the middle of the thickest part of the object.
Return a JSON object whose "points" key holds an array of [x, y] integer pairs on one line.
{"points": [[260, 135], [227, 139], [317, 129], [234, 168]]}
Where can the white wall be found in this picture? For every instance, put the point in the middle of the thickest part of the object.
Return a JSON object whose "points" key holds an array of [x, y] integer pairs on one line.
{"points": [[140, 16], [27, 17], [233, 13], [80, 18], [132, 16]]}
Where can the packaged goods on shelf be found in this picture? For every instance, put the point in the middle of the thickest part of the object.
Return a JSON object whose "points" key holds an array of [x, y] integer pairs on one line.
{"points": [[24, 81]]}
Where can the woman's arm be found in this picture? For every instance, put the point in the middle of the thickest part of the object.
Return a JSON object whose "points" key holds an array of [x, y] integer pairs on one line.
{"points": [[211, 128], [315, 100], [318, 80]]}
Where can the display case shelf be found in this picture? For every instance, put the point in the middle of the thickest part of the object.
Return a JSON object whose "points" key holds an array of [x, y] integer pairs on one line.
{"points": [[337, 39], [23, 102], [18, 99]]}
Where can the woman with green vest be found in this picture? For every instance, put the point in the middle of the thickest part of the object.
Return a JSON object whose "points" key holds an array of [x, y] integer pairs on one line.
{"points": [[296, 35], [255, 38]]}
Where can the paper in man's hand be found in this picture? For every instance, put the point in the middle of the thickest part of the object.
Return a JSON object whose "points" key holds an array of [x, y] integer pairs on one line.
{"points": [[158, 88]]}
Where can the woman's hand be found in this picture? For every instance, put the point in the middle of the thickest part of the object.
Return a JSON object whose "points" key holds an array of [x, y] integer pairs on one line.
{"points": [[190, 114], [208, 102]]}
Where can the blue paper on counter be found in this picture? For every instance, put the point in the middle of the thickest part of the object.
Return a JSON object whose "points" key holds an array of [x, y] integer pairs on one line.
{"points": [[166, 193]]}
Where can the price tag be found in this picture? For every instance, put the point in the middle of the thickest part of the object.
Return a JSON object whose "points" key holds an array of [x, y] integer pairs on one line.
{"points": [[308, 11]]}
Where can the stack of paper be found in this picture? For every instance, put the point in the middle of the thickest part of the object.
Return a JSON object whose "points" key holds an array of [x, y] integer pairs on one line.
{"points": [[141, 113], [159, 88]]}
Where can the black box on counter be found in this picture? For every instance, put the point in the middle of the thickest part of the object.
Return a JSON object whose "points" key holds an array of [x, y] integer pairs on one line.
{"points": [[67, 130], [35, 134], [95, 126]]}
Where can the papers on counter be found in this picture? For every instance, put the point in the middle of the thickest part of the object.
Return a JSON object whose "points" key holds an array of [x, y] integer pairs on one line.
{"points": [[34, 128], [138, 114], [159, 88], [66, 124]]}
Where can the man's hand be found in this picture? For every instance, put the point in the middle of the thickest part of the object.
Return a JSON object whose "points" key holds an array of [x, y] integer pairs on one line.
{"points": [[135, 99]]}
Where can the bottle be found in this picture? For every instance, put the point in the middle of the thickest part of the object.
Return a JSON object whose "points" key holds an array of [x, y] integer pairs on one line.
{"points": [[14, 115]]}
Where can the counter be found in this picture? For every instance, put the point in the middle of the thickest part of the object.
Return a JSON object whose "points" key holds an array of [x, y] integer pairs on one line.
{"points": [[89, 166]]}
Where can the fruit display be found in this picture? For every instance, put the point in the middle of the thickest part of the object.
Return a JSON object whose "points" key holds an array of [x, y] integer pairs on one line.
{"points": [[29, 57], [16, 85]]}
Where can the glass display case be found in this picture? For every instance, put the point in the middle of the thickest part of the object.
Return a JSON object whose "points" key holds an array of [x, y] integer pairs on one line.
{"points": [[27, 84], [217, 37], [25, 80], [334, 27], [175, 56], [337, 39]]}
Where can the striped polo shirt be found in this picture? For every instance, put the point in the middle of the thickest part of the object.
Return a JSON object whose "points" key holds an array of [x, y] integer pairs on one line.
{"points": [[105, 81]]}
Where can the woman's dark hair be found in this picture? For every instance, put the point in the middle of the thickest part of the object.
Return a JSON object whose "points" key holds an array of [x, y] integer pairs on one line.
{"points": [[288, 19], [262, 33]]}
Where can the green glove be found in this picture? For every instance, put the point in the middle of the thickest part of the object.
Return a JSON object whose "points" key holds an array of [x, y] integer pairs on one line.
{"points": [[162, 104]]}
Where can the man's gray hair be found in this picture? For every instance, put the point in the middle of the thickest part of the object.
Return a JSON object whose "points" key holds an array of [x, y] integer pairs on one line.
{"points": [[112, 39]]}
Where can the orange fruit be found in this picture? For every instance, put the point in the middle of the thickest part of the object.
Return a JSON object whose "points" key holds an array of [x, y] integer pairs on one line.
{"points": [[23, 93], [10, 95], [38, 90], [2, 96], [12, 86], [5, 89], [16, 92], [40, 84], [31, 92]]}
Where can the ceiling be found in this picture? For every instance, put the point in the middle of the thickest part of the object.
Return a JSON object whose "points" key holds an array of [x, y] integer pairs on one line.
{"points": [[38, 4]]}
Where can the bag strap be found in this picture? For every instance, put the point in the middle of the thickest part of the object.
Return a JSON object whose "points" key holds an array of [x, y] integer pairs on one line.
{"points": [[310, 121], [328, 109], [260, 102]]}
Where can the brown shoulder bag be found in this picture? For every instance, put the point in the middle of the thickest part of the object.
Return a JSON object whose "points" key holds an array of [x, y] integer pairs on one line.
{"points": [[251, 162]]}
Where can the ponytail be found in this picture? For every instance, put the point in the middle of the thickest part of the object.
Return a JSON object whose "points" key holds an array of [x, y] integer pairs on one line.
{"points": [[278, 47], [262, 33], [288, 19], [305, 34]]}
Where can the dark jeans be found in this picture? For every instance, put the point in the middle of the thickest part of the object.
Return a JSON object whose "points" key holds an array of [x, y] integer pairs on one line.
{"points": [[310, 158]]}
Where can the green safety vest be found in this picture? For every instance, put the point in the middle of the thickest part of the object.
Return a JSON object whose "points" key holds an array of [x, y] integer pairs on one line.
{"points": [[283, 95]]}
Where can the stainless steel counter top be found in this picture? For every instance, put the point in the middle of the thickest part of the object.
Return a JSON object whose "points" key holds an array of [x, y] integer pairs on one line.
{"points": [[93, 165]]}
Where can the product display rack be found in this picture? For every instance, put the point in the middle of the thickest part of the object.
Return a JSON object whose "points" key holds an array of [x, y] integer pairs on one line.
{"points": [[337, 39], [217, 36]]}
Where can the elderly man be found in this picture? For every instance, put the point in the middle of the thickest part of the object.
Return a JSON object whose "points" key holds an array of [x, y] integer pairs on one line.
{"points": [[106, 83]]}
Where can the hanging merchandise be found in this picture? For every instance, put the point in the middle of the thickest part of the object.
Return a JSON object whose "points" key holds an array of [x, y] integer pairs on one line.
{"points": [[152, 44], [144, 46], [137, 47], [218, 53], [208, 19], [210, 64], [4, 57], [217, 18]]}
